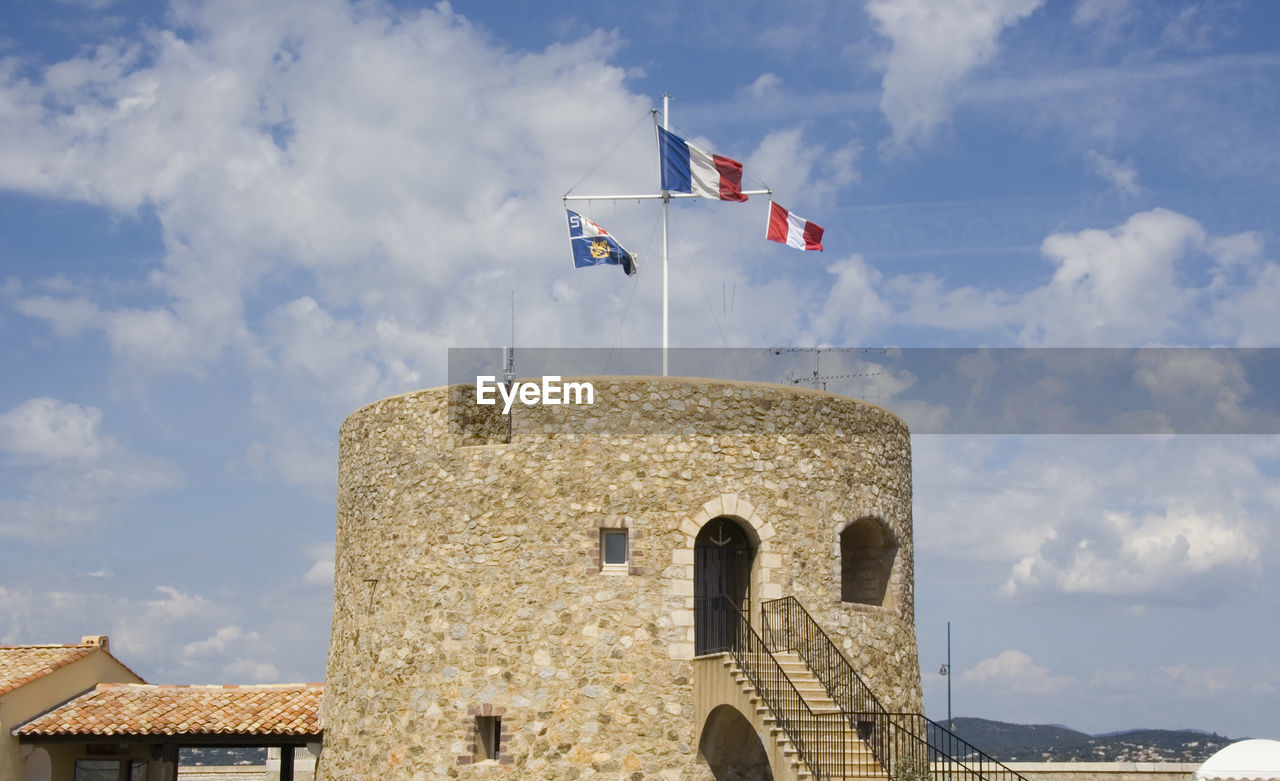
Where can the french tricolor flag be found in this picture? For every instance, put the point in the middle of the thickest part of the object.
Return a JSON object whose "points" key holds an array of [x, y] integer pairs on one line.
{"points": [[688, 169], [787, 228]]}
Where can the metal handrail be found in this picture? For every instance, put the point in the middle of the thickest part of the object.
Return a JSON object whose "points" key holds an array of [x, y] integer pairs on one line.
{"points": [[821, 739], [787, 625], [908, 746]]}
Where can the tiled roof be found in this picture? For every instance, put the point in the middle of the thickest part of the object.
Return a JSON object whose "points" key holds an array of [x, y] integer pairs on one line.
{"points": [[147, 709], [22, 664]]}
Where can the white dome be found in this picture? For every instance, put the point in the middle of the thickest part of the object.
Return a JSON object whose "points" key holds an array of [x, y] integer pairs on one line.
{"points": [[1248, 759]]}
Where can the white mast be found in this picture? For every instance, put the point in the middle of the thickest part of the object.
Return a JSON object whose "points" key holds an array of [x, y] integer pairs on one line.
{"points": [[666, 204], [666, 197]]}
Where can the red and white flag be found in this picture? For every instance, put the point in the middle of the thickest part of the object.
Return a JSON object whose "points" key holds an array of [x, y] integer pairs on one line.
{"points": [[787, 228]]}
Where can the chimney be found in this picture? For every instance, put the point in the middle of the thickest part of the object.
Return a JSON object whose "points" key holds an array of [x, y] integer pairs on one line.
{"points": [[99, 640]]}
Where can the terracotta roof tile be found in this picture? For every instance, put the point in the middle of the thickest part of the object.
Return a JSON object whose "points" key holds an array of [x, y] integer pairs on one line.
{"points": [[22, 664], [148, 709]]}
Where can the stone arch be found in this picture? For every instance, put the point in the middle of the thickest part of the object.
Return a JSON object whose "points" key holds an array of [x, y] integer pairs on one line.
{"points": [[732, 748], [868, 556], [38, 766], [728, 506], [763, 586]]}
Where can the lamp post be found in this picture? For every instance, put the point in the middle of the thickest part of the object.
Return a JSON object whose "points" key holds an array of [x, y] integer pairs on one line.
{"points": [[945, 672]]}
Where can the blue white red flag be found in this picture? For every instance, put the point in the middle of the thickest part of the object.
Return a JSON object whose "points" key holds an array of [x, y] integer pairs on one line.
{"points": [[593, 246], [688, 169], [792, 230]]}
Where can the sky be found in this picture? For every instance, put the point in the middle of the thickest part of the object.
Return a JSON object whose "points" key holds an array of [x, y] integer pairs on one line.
{"points": [[226, 225]]}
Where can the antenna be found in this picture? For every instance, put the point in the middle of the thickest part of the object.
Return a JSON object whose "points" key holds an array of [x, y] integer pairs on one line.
{"points": [[509, 352], [819, 380], [509, 365]]}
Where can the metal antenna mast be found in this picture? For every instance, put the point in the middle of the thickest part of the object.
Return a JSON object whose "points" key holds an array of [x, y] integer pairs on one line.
{"points": [[509, 354], [665, 196], [818, 380], [509, 363]]}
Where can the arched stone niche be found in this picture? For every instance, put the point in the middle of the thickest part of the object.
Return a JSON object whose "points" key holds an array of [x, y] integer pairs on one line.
{"points": [[868, 554]]}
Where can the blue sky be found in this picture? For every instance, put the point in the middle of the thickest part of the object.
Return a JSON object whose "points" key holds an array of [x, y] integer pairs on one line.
{"points": [[226, 225]]}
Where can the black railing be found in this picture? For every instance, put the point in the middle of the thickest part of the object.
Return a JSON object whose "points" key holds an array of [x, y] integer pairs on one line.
{"points": [[908, 746], [821, 739], [787, 626]]}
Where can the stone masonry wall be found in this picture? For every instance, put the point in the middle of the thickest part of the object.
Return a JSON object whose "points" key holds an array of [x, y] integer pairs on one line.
{"points": [[468, 581]]}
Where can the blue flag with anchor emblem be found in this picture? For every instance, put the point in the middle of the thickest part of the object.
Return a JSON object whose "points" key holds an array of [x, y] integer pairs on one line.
{"points": [[593, 246]]}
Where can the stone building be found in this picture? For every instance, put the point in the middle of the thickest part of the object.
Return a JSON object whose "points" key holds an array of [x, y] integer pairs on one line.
{"points": [[578, 590]]}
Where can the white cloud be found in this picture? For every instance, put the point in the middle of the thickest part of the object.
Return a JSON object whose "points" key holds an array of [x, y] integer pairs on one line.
{"points": [[217, 643], [1101, 11], [767, 85], [67, 316], [1113, 287], [297, 145], [935, 44], [1244, 283], [926, 301], [1205, 387], [321, 572], [1151, 555], [317, 350], [92, 5], [1195, 25], [1237, 249], [1119, 521], [297, 455], [157, 338], [1249, 685], [788, 165], [1122, 176], [177, 635], [250, 670], [145, 629], [77, 477], [45, 430], [305, 136], [1246, 316], [1128, 286], [853, 312], [1015, 672]]}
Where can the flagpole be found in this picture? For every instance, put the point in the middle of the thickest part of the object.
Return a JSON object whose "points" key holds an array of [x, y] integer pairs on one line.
{"points": [[666, 205], [666, 196]]}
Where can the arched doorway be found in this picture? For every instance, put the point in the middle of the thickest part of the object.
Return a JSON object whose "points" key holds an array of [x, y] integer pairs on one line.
{"points": [[722, 557], [38, 767], [732, 749]]}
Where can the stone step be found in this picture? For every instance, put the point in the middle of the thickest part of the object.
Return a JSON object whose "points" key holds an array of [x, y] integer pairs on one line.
{"points": [[858, 757]]}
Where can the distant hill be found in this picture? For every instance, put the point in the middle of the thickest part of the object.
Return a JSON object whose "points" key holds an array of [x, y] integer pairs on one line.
{"points": [[1055, 743]]}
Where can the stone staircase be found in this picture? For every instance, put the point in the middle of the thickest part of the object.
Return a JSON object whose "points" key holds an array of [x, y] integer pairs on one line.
{"points": [[874, 743], [858, 760], [814, 717]]}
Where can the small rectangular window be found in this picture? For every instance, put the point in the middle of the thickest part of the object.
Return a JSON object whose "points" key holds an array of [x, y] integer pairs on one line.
{"points": [[488, 736], [613, 546]]}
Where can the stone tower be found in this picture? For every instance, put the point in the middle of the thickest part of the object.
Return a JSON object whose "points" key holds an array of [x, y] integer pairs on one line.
{"points": [[517, 598]]}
